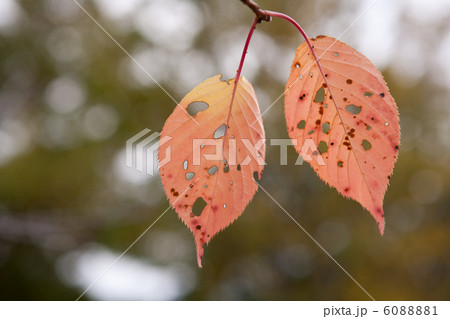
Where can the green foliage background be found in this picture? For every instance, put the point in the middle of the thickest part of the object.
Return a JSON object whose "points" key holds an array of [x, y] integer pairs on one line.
{"points": [[70, 98]]}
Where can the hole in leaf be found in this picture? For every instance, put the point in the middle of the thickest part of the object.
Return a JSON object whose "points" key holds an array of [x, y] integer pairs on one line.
{"points": [[325, 127], [320, 95], [297, 65], [336, 54], [366, 145], [310, 132], [224, 205], [220, 132], [185, 165], [212, 170], [195, 107], [256, 175], [340, 163], [198, 206], [301, 124], [238, 167], [368, 93], [189, 175], [322, 147], [368, 127], [353, 109], [226, 168]]}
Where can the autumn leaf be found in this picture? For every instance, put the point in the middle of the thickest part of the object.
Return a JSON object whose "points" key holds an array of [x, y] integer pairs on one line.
{"points": [[351, 117], [214, 155]]}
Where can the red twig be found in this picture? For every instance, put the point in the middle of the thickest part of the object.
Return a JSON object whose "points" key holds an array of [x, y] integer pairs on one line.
{"points": [[238, 73], [261, 15], [305, 36]]}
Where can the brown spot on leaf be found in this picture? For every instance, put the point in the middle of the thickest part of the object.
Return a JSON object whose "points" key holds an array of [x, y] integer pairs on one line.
{"points": [[352, 133], [349, 81]]}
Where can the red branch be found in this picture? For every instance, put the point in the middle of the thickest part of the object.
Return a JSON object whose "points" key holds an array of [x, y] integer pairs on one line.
{"points": [[261, 15]]}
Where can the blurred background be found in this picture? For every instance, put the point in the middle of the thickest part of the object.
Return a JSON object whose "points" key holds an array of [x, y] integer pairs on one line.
{"points": [[70, 98]]}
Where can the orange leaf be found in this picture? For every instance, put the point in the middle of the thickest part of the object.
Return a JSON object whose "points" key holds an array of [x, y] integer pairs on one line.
{"points": [[350, 116], [209, 177]]}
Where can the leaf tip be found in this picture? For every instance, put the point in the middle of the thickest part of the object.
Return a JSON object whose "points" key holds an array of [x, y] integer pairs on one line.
{"points": [[381, 224], [381, 227], [199, 255]]}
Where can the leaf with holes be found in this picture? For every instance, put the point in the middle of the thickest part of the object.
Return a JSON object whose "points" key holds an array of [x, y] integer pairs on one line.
{"points": [[211, 156], [349, 114]]}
